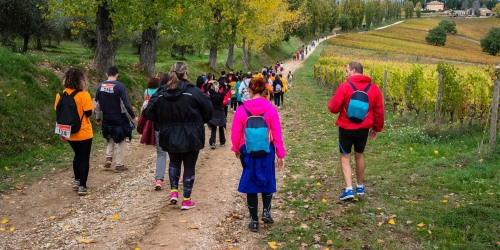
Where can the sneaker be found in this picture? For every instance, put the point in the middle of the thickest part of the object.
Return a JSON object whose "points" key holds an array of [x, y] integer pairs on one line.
{"points": [[347, 194], [158, 185], [108, 162], [82, 191], [266, 217], [360, 190], [119, 169], [174, 196], [212, 146], [187, 204], [76, 185], [253, 226], [222, 145]]}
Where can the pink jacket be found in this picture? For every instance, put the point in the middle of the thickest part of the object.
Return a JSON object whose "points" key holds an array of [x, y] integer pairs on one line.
{"points": [[257, 106]]}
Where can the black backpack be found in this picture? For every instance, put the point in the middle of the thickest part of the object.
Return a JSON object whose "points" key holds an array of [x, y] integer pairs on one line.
{"points": [[67, 112]]}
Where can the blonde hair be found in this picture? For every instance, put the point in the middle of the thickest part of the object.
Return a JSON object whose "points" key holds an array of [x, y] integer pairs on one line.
{"points": [[215, 86], [177, 72]]}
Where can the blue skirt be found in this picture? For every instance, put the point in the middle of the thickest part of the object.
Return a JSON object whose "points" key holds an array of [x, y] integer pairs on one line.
{"points": [[259, 173]]}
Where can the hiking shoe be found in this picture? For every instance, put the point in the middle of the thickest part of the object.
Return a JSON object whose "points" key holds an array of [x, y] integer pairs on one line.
{"points": [[222, 145], [76, 185], [174, 196], [347, 194], [253, 226], [187, 204], [158, 185], [82, 191], [108, 162], [119, 169], [212, 146], [266, 217], [360, 190]]}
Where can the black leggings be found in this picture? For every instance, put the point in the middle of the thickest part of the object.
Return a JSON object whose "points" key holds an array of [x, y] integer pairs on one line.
{"points": [[189, 160], [253, 204], [81, 160], [213, 135]]}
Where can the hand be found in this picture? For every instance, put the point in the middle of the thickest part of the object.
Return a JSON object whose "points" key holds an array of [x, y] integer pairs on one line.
{"points": [[136, 119], [372, 134], [281, 164], [237, 154]]}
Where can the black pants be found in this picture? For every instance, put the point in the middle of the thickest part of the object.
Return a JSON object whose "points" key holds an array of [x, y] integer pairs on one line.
{"points": [[234, 103], [222, 137], [187, 159], [81, 161], [277, 98], [253, 204], [282, 94], [225, 110]]}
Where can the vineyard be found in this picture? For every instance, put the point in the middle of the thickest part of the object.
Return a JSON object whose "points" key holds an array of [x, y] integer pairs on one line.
{"points": [[466, 90], [409, 38]]}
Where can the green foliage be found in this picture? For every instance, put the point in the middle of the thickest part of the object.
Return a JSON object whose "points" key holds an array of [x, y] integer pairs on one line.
{"points": [[344, 22], [449, 26], [408, 9], [496, 9], [418, 9], [491, 42], [436, 36]]}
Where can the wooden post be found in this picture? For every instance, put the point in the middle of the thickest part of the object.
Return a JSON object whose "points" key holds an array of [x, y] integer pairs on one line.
{"points": [[494, 110], [334, 84], [384, 89], [439, 95]]}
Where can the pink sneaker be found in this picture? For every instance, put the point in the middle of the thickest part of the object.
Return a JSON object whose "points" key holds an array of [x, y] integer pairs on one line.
{"points": [[158, 185], [187, 204], [174, 196]]}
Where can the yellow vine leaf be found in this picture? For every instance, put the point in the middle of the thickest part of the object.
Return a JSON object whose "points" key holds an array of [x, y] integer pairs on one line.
{"points": [[436, 152], [116, 216], [392, 221], [183, 221], [421, 224], [6, 168], [329, 242], [67, 227], [379, 241], [11, 229], [323, 200], [444, 201], [53, 217], [318, 183], [5, 221]]}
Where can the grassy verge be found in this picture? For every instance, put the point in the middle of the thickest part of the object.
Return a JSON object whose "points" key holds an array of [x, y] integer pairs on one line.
{"points": [[427, 188]]}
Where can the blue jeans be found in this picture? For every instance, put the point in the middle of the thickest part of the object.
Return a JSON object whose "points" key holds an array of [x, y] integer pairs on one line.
{"points": [[161, 159]]}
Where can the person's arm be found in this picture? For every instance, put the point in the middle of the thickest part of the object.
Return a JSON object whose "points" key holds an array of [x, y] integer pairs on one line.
{"points": [[337, 102], [126, 102], [378, 112], [205, 105], [88, 106]]}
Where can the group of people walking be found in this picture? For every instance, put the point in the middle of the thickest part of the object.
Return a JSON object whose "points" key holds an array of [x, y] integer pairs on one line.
{"points": [[178, 111]]}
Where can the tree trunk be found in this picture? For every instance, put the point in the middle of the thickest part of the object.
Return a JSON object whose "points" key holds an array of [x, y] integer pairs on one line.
{"points": [[147, 57], [26, 40], [244, 51], [230, 53], [39, 43], [213, 57], [105, 51], [494, 113]]}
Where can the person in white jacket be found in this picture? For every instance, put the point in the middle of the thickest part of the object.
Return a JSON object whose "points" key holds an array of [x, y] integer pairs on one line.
{"points": [[244, 86]]}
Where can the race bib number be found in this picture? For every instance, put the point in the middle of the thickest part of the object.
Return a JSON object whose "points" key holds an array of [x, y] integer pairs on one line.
{"points": [[63, 130], [108, 88]]}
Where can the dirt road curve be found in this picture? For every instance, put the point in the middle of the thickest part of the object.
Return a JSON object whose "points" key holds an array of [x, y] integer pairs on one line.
{"points": [[124, 211]]}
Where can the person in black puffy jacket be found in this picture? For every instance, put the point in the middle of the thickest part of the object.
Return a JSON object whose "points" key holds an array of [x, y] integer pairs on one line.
{"points": [[180, 110]]}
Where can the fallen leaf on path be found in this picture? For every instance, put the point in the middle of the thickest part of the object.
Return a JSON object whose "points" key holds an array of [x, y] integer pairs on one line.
{"points": [[67, 227], [444, 201], [317, 238], [329, 242], [380, 223], [379, 241], [272, 244], [193, 226], [12, 229], [408, 222], [421, 224], [392, 221], [2, 229], [429, 231], [53, 217], [116, 216], [323, 200], [182, 221], [86, 241], [5, 221], [318, 183], [303, 225], [83, 233]]}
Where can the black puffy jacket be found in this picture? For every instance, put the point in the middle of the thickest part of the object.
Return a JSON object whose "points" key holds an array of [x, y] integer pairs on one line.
{"points": [[180, 115]]}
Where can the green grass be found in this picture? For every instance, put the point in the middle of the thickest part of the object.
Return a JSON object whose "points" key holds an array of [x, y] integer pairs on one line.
{"points": [[414, 174]]}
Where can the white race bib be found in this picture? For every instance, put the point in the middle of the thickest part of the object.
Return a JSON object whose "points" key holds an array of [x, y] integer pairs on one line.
{"points": [[63, 130]]}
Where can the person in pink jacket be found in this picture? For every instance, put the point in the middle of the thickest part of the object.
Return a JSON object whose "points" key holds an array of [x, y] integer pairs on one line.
{"points": [[356, 132], [258, 174]]}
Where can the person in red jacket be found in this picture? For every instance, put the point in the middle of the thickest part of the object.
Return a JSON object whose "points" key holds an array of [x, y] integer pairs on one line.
{"points": [[356, 133]]}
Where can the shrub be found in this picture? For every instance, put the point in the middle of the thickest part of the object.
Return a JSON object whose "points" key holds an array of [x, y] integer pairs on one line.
{"points": [[491, 42], [449, 26], [344, 22], [436, 36]]}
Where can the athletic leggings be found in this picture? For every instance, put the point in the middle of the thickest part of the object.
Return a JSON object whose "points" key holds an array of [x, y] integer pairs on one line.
{"points": [[174, 171], [81, 160], [253, 204]]}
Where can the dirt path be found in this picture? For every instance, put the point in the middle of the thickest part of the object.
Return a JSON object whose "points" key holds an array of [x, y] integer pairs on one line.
{"points": [[124, 211]]}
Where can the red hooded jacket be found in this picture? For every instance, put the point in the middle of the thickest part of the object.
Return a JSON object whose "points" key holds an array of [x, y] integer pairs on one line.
{"points": [[340, 101]]}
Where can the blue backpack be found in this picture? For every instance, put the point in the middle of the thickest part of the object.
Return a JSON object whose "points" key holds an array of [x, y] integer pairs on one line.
{"points": [[358, 107], [256, 135]]}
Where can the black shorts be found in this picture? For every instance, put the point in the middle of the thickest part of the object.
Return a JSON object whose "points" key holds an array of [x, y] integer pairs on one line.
{"points": [[357, 137]]}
